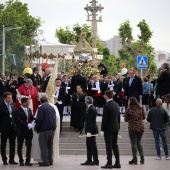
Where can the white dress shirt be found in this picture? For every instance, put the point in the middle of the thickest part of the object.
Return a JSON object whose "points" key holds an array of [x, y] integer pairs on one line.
{"points": [[98, 86], [57, 92], [25, 110], [109, 100]]}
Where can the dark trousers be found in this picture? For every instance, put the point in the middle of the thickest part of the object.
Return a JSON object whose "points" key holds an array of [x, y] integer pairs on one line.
{"points": [[152, 101], [46, 146], [135, 138], [28, 143], [11, 136], [98, 101], [92, 149], [60, 109], [111, 144]]}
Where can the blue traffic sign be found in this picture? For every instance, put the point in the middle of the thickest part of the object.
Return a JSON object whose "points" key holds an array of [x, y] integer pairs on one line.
{"points": [[142, 62]]}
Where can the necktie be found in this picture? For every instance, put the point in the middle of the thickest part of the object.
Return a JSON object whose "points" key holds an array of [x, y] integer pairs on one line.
{"points": [[130, 81], [9, 108]]}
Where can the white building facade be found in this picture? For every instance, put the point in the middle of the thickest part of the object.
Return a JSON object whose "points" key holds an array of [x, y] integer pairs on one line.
{"points": [[161, 57], [113, 44]]}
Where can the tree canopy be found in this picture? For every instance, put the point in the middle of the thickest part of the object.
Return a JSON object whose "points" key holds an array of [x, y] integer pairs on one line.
{"points": [[71, 35], [131, 48], [16, 14]]}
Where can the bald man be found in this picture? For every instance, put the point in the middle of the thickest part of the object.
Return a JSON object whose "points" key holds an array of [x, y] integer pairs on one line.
{"points": [[158, 117], [46, 78]]}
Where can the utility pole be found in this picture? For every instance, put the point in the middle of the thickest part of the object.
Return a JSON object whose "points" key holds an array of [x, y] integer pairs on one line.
{"points": [[3, 45], [92, 13], [3, 50]]}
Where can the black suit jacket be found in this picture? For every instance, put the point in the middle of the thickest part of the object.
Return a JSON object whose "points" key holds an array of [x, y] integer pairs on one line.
{"points": [[2, 87], [163, 81], [45, 83], [78, 80], [22, 122], [135, 89], [5, 119], [65, 85], [21, 81], [62, 94], [119, 88], [111, 117], [36, 80], [91, 126]]}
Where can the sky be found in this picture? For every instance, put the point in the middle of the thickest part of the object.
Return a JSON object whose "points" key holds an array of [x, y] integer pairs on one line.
{"points": [[61, 13]]}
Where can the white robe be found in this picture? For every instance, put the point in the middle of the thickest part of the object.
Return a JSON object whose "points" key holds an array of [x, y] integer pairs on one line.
{"points": [[36, 154]]}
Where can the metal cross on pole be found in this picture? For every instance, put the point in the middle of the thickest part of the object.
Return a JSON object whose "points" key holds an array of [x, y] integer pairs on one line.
{"points": [[92, 13]]}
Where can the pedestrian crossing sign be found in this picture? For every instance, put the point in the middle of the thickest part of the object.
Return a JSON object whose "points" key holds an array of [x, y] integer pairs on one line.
{"points": [[142, 62]]}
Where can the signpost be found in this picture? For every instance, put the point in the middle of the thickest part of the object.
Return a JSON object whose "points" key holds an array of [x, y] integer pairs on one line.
{"points": [[142, 63]]}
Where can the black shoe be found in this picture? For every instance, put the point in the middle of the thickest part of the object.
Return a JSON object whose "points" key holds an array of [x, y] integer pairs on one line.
{"points": [[5, 163], [87, 163], [99, 114], [21, 164], [95, 163], [107, 166], [116, 166], [28, 164], [50, 163], [133, 162], [43, 164], [142, 161], [13, 163]]}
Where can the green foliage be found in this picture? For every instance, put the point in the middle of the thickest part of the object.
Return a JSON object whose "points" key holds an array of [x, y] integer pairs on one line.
{"points": [[16, 14], [71, 35], [111, 62], [131, 49], [146, 34], [106, 53]]}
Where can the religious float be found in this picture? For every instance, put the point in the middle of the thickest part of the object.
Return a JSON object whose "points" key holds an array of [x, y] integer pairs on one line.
{"points": [[70, 58]]}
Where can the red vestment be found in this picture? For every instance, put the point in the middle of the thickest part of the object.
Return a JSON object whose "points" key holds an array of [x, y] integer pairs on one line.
{"points": [[33, 92]]}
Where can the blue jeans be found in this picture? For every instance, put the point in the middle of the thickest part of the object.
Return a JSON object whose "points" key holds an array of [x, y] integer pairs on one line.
{"points": [[162, 133]]}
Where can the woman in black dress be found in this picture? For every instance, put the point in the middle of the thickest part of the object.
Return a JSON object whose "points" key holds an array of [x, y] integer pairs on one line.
{"points": [[78, 109]]}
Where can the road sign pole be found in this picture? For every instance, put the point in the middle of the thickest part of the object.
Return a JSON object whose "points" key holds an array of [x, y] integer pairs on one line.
{"points": [[141, 73]]}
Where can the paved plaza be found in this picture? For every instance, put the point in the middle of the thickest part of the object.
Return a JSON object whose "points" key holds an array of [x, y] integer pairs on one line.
{"points": [[72, 162]]}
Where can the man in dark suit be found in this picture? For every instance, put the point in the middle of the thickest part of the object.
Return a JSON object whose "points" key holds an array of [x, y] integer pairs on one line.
{"points": [[78, 80], [46, 79], [7, 128], [21, 80], [133, 86], [2, 87], [110, 128], [163, 81], [67, 102], [23, 117], [36, 79], [59, 98], [91, 129]]}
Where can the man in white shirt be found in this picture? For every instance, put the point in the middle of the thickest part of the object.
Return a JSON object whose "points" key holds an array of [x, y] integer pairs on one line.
{"points": [[59, 98], [97, 92]]}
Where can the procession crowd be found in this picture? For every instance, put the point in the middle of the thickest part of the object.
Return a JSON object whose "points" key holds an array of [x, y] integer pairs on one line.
{"points": [[25, 111]]}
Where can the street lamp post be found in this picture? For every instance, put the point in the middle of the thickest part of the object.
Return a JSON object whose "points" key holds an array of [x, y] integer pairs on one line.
{"points": [[3, 45]]}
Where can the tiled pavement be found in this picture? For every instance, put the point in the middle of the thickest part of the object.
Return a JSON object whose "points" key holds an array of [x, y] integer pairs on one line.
{"points": [[72, 162]]}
